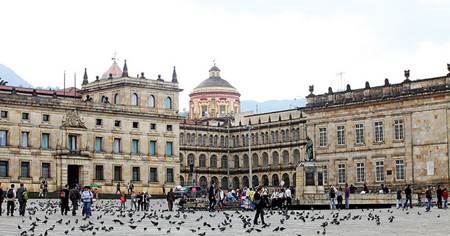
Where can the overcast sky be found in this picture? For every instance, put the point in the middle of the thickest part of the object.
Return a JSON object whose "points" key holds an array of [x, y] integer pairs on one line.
{"points": [[266, 49]]}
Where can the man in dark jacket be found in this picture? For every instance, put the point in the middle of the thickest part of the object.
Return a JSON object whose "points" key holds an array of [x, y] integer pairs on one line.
{"points": [[259, 204], [439, 196], [408, 195], [212, 197], [2, 197], [21, 192], [74, 196], [64, 197], [170, 199], [429, 197]]}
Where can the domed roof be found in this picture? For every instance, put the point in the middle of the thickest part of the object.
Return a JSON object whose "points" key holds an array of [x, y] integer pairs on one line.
{"points": [[114, 71], [214, 81]]}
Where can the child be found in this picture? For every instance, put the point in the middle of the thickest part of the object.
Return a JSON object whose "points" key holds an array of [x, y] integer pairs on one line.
{"points": [[122, 200]]}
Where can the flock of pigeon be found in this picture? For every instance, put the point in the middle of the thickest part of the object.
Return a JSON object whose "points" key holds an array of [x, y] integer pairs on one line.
{"points": [[43, 218]]}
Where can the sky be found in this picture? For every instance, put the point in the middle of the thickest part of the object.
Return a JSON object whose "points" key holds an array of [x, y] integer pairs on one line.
{"points": [[267, 49]]}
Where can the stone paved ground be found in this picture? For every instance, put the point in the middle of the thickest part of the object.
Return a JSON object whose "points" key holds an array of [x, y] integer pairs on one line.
{"points": [[351, 222]]}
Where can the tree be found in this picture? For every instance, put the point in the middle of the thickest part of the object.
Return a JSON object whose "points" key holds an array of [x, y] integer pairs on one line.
{"points": [[3, 82]]}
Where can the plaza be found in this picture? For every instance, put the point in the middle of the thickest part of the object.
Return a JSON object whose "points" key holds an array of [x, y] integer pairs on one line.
{"points": [[107, 220]]}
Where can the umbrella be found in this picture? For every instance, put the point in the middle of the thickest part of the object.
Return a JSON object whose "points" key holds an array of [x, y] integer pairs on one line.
{"points": [[95, 185]]}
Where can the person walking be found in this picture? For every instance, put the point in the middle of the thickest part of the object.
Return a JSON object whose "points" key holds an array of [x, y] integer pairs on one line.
{"points": [[41, 190], [445, 198], [122, 200], [45, 190], [86, 197], [339, 198], [259, 205], [118, 188], [212, 197], [429, 197], [2, 198], [439, 196], [10, 201], [74, 196], [399, 198], [408, 196], [288, 194], [347, 196], [22, 197], [133, 201], [170, 199], [64, 197], [332, 195], [220, 198]]}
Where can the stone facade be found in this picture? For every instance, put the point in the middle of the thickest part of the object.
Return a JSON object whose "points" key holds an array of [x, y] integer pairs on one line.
{"points": [[99, 134]]}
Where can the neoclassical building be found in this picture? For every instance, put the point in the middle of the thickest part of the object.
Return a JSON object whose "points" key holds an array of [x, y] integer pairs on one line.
{"points": [[115, 129]]}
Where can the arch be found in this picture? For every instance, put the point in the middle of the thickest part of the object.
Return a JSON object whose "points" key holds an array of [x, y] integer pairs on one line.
{"points": [[245, 182], [275, 180], [151, 101], [211, 140], [216, 139], [202, 161], [285, 157], [205, 137], [199, 139], [215, 181], [188, 139], [192, 139], [116, 98], [296, 156], [134, 99], [213, 161], [190, 159], [285, 178], [182, 139], [181, 160], [265, 180], [236, 161], [235, 182], [203, 182], [181, 180], [265, 159], [288, 137], [283, 137], [168, 103], [255, 162], [275, 158], [222, 141], [224, 162], [245, 161], [255, 181], [294, 179], [224, 183]]}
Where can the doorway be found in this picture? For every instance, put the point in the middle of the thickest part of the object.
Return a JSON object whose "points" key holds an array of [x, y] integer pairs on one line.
{"points": [[73, 175]]}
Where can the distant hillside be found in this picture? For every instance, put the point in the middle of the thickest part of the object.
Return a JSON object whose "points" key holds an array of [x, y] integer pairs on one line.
{"points": [[13, 79], [271, 105]]}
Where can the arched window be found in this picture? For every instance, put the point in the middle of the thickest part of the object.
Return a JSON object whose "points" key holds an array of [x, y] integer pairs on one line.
{"points": [[235, 182], [286, 180], [104, 99], [199, 140], [182, 139], [134, 99], [255, 181], [265, 159], [224, 162], [181, 160], [151, 101], [168, 103], [202, 161], [265, 180], [275, 158], [214, 180], [296, 156], [285, 157], [116, 98], [245, 161], [213, 161], [181, 180], [245, 182], [203, 182], [191, 159], [236, 161], [255, 160], [224, 183], [275, 180]]}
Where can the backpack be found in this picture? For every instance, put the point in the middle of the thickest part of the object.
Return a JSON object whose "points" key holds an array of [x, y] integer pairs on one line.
{"points": [[25, 195], [62, 194], [10, 193]]}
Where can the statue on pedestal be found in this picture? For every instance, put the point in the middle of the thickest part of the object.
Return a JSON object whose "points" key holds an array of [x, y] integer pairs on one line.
{"points": [[309, 149]]}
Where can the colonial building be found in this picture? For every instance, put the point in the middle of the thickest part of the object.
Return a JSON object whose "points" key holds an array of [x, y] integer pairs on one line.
{"points": [[115, 129], [394, 134]]}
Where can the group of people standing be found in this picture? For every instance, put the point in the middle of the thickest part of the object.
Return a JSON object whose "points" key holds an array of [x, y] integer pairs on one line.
{"points": [[216, 196], [11, 195], [339, 194], [86, 196]]}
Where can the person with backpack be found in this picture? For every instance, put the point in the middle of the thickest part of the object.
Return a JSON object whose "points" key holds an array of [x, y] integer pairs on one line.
{"points": [[429, 197], [74, 196], [64, 197], [86, 197], [332, 195], [10, 200], [22, 197], [2, 197], [408, 197]]}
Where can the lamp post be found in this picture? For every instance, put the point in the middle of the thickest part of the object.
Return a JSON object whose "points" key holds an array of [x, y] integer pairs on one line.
{"points": [[228, 152], [250, 179]]}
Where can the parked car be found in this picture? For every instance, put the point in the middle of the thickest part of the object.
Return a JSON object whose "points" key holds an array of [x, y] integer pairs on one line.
{"points": [[189, 192]]}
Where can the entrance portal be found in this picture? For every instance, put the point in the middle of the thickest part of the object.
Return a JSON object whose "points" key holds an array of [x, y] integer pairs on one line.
{"points": [[73, 175]]}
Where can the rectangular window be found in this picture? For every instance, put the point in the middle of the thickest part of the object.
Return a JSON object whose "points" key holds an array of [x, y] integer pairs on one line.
{"points": [[341, 174], [45, 117], [341, 135], [3, 168], [45, 170], [169, 175], [168, 149], [153, 177], [320, 178], [398, 130], [136, 174], [3, 138], [359, 132], [379, 132], [117, 123], [135, 124], [4, 114], [360, 173], [152, 126], [24, 139], [399, 170], [117, 173], [44, 140], [379, 171], [98, 122], [25, 169], [116, 148], [169, 128], [134, 146], [72, 142], [98, 144], [323, 137], [25, 116], [152, 148], [325, 174], [99, 173]]}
